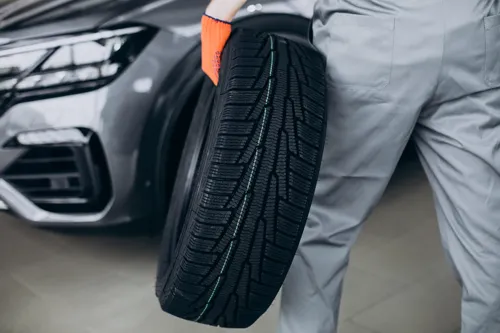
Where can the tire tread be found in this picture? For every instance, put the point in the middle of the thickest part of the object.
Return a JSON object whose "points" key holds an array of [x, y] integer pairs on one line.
{"points": [[264, 151]]}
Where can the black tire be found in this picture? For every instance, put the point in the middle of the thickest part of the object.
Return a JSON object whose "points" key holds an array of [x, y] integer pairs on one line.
{"points": [[229, 243]]}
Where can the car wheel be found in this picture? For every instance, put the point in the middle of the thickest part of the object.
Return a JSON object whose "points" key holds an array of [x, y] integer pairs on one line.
{"points": [[245, 182]]}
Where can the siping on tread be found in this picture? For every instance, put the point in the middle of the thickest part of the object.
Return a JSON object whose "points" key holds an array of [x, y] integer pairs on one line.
{"points": [[255, 184]]}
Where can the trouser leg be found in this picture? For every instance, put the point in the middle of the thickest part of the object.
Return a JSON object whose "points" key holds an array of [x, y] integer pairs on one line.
{"points": [[459, 146], [374, 104], [458, 140], [350, 185]]}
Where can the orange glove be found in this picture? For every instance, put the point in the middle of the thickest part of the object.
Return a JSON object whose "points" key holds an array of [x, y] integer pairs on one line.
{"points": [[214, 35]]}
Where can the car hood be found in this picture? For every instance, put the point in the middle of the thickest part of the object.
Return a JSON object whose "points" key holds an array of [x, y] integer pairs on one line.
{"points": [[84, 15], [39, 20]]}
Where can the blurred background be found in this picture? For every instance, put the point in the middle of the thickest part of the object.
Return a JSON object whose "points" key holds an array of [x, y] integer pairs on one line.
{"points": [[96, 101]]}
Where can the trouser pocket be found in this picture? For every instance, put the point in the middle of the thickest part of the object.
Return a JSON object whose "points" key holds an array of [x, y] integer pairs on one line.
{"points": [[492, 56], [360, 50]]}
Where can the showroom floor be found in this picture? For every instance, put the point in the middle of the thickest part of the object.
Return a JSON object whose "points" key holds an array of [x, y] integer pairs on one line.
{"points": [[90, 281]]}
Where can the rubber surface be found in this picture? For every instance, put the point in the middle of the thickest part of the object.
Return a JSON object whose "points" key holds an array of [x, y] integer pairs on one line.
{"points": [[253, 186]]}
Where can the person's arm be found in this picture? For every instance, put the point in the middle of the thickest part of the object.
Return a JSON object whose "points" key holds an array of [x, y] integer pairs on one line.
{"points": [[224, 10], [215, 31]]}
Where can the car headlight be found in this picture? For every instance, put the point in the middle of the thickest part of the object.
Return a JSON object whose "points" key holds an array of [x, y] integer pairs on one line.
{"points": [[68, 64]]}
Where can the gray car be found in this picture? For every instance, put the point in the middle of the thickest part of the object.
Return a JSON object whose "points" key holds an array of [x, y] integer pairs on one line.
{"points": [[96, 97]]}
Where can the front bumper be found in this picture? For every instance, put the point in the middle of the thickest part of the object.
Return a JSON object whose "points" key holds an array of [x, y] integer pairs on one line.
{"points": [[42, 193], [26, 209]]}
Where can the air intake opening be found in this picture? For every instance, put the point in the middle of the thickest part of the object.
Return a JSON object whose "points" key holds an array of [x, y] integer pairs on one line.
{"points": [[63, 178]]}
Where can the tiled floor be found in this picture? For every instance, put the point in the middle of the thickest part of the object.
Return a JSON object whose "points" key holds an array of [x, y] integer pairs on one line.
{"points": [[102, 281]]}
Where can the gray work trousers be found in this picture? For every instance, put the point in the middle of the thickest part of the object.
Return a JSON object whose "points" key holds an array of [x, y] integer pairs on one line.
{"points": [[397, 68]]}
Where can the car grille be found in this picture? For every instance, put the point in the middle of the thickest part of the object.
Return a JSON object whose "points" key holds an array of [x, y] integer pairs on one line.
{"points": [[63, 178]]}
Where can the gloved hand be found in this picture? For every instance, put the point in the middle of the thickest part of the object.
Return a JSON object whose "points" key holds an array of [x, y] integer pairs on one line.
{"points": [[214, 35], [215, 31]]}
